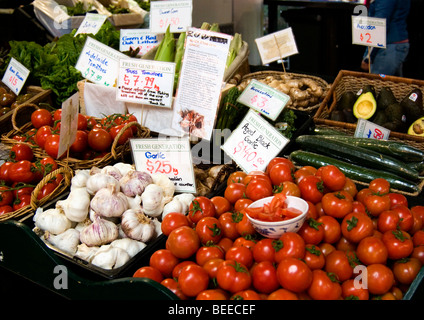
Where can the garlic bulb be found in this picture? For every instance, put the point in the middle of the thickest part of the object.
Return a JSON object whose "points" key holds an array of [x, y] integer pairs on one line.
{"points": [[100, 180], [134, 202], [110, 258], [157, 224], [51, 220], [100, 232], [186, 199], [173, 206], [131, 246], [166, 184], [135, 182], [76, 205], [81, 225], [136, 225], [79, 180], [66, 241], [112, 171], [109, 202], [85, 252], [152, 200], [124, 168]]}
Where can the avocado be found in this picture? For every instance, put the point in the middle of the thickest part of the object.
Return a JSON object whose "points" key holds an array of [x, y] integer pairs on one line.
{"points": [[348, 113], [385, 97], [365, 106], [365, 89], [417, 127], [395, 117], [412, 105], [347, 100], [337, 115], [380, 117]]}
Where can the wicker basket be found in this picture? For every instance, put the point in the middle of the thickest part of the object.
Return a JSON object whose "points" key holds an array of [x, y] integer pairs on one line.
{"points": [[117, 153], [354, 81], [310, 105], [29, 210]]}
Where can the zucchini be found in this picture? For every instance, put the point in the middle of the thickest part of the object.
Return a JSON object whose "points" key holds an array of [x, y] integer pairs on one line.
{"points": [[396, 149], [357, 155], [327, 131], [352, 171]]}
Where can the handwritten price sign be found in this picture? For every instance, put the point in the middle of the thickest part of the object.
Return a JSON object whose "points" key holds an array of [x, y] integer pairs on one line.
{"points": [[254, 143], [369, 31], [15, 76], [176, 14], [263, 98], [169, 156], [367, 129]]}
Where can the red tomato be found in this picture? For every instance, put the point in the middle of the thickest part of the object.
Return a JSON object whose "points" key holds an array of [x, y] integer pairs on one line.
{"points": [[312, 231], [388, 220], [397, 198], [356, 226], [228, 221], [209, 230], [20, 188], [99, 139], [406, 270], [350, 187], [183, 242], [235, 191], [294, 274], [380, 186], [208, 252], [264, 277], [398, 243], [199, 208], [125, 136], [332, 177], [337, 204], [244, 226], [48, 164], [282, 294], [405, 215], [57, 115], [351, 291], [212, 294], [380, 278], [332, 229], [276, 160], [221, 204], [324, 286], [281, 172], [288, 188], [245, 295], [311, 188], [418, 238], [41, 117], [42, 134], [314, 257], [148, 272], [290, 244], [245, 241], [193, 279], [21, 151], [172, 221], [21, 172], [174, 287], [211, 266], [4, 171], [82, 122], [6, 196], [51, 145], [179, 267], [372, 250], [376, 203], [240, 254], [225, 243], [80, 143], [242, 204], [264, 250], [5, 209], [47, 189], [337, 262], [233, 276], [164, 261], [21, 202], [236, 176], [304, 171], [257, 189]]}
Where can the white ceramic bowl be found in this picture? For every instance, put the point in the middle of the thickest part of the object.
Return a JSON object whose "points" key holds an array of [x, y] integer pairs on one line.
{"points": [[274, 229]]}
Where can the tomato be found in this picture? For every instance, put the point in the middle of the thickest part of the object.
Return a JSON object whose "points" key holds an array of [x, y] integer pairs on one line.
{"points": [[332, 229], [211, 266], [288, 188], [99, 139], [225, 243], [264, 250], [183, 242], [48, 164], [345, 245], [242, 203], [282, 294], [21, 151], [233, 276], [51, 145], [23, 201], [212, 294], [356, 226], [236, 176], [380, 278], [41, 117], [228, 221], [337, 204], [372, 250], [221, 205], [311, 188], [290, 244], [277, 160], [417, 222], [91, 122], [304, 171], [406, 270], [164, 261], [5, 209], [376, 203], [6, 196], [241, 254], [293, 274], [418, 210], [199, 208], [125, 136], [172, 221], [257, 189], [42, 134], [244, 226], [172, 285], [418, 238], [314, 258], [209, 230], [205, 253], [312, 210], [235, 191], [21, 171], [4, 171], [281, 172], [418, 253], [179, 267], [351, 291], [350, 187], [332, 177], [337, 262], [324, 286], [80, 143], [20, 188], [380, 186], [57, 115], [247, 241], [193, 279], [398, 243], [312, 231], [397, 198], [326, 248], [47, 189], [264, 277], [388, 220], [245, 295], [82, 122], [256, 175], [405, 215], [148, 272]]}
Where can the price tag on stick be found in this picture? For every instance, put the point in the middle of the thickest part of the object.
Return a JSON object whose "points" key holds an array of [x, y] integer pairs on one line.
{"points": [[15, 76], [68, 123], [169, 156], [277, 45], [368, 31], [254, 143]]}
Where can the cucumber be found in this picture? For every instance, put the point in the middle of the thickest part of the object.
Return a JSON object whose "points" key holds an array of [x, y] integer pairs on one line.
{"points": [[327, 131], [352, 171], [357, 155], [396, 149]]}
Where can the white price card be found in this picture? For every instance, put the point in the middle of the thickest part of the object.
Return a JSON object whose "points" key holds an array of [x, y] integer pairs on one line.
{"points": [[368, 129], [15, 76], [68, 123], [369, 31], [261, 97], [176, 14], [254, 143], [201, 82], [138, 39], [170, 156], [277, 45], [99, 63], [146, 82], [91, 23]]}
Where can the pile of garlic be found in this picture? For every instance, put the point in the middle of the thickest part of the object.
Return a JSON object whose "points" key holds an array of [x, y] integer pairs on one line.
{"points": [[110, 214]]}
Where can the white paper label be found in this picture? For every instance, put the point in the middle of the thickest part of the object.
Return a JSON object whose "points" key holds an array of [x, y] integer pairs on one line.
{"points": [[91, 23], [368, 31], [254, 143], [142, 39], [15, 76], [367, 129], [68, 123], [169, 156], [146, 82], [277, 45], [176, 14]]}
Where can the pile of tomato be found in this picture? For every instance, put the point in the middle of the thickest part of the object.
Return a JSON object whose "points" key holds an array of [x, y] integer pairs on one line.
{"points": [[19, 176], [94, 137], [355, 244]]}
